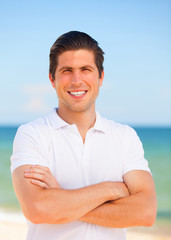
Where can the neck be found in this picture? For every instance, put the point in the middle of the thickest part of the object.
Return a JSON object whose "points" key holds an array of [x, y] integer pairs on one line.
{"points": [[84, 120]]}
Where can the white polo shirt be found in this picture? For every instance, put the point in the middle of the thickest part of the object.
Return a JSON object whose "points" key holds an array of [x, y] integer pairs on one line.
{"points": [[110, 150]]}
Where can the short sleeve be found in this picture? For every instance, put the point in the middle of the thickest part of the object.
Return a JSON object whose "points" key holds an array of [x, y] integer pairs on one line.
{"points": [[28, 148], [133, 157]]}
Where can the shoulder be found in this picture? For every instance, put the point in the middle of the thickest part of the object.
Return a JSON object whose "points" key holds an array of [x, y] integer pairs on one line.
{"points": [[121, 133], [117, 128], [31, 144], [36, 127], [36, 131]]}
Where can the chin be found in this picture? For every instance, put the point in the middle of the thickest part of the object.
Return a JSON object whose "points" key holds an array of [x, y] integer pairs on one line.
{"points": [[80, 109]]}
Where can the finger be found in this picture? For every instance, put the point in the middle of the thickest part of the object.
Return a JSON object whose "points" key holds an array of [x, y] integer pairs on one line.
{"points": [[37, 176], [39, 183], [35, 169], [41, 167]]}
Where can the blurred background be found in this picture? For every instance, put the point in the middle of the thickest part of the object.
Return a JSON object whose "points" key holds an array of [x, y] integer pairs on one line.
{"points": [[136, 39]]}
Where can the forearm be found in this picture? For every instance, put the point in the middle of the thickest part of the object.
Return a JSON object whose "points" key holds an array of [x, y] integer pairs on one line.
{"points": [[122, 213], [61, 206], [45, 202], [134, 210], [55, 206]]}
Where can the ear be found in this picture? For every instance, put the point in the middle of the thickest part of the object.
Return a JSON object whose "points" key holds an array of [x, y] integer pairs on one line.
{"points": [[52, 80], [101, 78]]}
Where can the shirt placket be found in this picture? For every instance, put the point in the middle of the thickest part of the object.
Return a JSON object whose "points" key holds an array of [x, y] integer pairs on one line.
{"points": [[85, 157]]}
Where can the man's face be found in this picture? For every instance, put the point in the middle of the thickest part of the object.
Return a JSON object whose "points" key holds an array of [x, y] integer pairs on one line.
{"points": [[77, 80]]}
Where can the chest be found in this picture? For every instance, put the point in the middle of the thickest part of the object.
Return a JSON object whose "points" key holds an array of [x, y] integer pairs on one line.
{"points": [[75, 164]]}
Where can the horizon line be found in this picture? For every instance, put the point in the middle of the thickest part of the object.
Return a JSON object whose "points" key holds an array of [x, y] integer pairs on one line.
{"points": [[134, 125]]}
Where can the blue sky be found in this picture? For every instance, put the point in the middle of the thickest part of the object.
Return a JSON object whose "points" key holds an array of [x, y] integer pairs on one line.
{"points": [[136, 39]]}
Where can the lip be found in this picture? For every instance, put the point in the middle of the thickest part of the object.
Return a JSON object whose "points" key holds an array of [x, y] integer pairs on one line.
{"points": [[77, 96]]}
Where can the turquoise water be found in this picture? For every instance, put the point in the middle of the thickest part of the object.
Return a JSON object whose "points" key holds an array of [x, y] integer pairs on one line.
{"points": [[7, 196], [157, 147]]}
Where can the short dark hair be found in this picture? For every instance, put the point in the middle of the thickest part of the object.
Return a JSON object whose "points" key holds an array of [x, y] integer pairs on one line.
{"points": [[75, 40]]}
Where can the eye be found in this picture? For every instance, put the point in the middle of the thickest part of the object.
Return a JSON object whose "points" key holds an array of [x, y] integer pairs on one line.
{"points": [[66, 70], [86, 69]]}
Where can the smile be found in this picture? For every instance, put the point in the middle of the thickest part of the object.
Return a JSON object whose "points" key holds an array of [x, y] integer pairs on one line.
{"points": [[77, 93]]}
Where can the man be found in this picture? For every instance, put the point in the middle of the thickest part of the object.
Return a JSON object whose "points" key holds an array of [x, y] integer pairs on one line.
{"points": [[78, 175]]}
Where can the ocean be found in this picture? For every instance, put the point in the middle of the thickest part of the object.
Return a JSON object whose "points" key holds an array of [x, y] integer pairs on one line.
{"points": [[157, 148]]}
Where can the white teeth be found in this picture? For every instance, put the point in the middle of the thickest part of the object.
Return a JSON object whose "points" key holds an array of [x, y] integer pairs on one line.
{"points": [[79, 93]]}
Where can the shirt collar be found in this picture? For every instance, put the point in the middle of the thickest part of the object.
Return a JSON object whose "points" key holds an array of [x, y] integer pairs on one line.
{"points": [[58, 122], [99, 126]]}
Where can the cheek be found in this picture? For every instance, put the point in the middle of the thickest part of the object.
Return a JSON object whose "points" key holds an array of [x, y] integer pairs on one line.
{"points": [[91, 80], [95, 83], [62, 82]]}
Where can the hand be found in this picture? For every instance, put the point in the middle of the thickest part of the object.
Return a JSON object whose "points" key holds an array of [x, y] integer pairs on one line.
{"points": [[41, 176], [119, 190]]}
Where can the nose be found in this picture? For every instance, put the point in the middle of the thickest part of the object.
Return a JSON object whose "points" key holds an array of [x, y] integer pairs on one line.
{"points": [[76, 78]]}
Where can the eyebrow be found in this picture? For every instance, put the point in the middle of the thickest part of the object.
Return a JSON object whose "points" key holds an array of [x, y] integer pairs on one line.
{"points": [[70, 68], [87, 66], [64, 67]]}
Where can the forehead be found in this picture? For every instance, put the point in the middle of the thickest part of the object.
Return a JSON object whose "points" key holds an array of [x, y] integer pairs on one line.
{"points": [[76, 58]]}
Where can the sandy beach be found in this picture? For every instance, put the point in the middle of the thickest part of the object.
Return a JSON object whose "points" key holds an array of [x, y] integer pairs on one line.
{"points": [[14, 227]]}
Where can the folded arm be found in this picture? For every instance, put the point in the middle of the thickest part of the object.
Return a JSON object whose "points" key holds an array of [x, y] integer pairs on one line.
{"points": [[41, 204], [137, 209]]}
